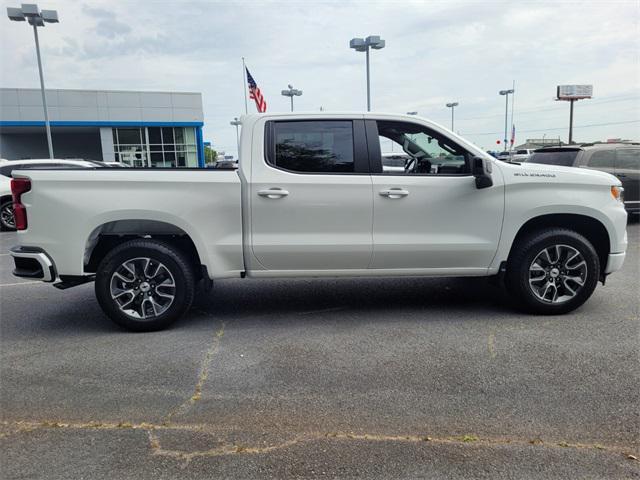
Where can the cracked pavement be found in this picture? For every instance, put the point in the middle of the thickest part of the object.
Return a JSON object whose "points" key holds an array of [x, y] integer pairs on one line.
{"points": [[325, 378]]}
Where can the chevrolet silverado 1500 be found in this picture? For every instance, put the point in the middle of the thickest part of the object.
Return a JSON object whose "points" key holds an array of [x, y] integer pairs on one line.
{"points": [[312, 197]]}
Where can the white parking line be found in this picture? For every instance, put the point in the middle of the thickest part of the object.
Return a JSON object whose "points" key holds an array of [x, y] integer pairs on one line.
{"points": [[19, 283], [4, 254]]}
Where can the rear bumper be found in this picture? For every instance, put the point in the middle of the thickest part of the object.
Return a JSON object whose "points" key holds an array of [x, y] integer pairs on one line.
{"points": [[614, 262], [33, 262]]}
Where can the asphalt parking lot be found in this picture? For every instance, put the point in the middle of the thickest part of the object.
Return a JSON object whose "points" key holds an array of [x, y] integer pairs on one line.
{"points": [[369, 378]]}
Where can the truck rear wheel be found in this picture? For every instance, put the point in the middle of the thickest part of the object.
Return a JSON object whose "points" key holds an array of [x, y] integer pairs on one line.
{"points": [[553, 272], [7, 220], [145, 285]]}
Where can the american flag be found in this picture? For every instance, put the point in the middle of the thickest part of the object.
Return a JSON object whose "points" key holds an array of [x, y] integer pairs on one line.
{"points": [[255, 93], [513, 134]]}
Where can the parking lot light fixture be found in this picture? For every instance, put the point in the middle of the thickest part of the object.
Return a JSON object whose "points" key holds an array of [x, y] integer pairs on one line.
{"points": [[291, 92], [452, 106], [37, 18], [236, 123], [412, 113], [506, 94], [364, 45]]}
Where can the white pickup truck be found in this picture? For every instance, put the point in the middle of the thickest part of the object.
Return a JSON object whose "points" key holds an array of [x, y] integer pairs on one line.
{"points": [[311, 198]]}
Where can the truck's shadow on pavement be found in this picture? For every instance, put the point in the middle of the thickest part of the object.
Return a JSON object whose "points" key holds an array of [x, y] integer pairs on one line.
{"points": [[294, 300], [301, 300]]}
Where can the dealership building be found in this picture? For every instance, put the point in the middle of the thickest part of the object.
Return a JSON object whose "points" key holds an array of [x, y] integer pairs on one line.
{"points": [[141, 129]]}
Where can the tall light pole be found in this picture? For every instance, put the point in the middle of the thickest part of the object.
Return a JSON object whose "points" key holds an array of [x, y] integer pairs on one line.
{"points": [[452, 106], [362, 45], [236, 123], [506, 113], [37, 18], [291, 92]]}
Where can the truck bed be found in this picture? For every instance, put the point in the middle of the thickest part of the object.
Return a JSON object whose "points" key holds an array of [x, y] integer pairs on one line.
{"points": [[69, 209]]}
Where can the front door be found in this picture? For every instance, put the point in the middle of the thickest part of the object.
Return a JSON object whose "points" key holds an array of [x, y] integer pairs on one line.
{"points": [[311, 207], [430, 216]]}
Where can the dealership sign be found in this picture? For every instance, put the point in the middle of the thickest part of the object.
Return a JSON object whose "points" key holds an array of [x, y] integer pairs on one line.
{"points": [[574, 92]]}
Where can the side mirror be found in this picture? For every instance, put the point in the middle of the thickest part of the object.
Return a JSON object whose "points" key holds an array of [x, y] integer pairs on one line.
{"points": [[481, 169]]}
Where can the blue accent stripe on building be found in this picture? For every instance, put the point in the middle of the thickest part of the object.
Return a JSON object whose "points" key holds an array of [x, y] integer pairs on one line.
{"points": [[65, 123], [200, 145]]}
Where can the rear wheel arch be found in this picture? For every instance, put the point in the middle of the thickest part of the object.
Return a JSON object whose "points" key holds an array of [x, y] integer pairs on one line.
{"points": [[108, 236], [590, 228]]}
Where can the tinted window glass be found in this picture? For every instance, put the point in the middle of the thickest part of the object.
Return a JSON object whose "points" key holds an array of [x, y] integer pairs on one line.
{"points": [[129, 136], [628, 159], [423, 151], [314, 147], [167, 135], [154, 135], [563, 158], [602, 159]]}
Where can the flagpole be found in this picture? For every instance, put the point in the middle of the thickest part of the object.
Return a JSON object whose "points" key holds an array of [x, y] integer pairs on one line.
{"points": [[513, 104], [244, 86]]}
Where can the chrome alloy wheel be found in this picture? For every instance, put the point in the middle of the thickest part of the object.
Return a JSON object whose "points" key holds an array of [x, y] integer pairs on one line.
{"points": [[142, 288], [6, 216], [557, 274]]}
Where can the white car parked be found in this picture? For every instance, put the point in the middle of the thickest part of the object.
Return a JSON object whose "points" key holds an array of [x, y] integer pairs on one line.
{"points": [[521, 155], [7, 221], [311, 198]]}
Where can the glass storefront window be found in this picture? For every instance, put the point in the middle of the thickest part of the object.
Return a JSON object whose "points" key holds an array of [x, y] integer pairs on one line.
{"points": [[129, 136], [156, 147], [179, 135], [154, 135], [190, 136]]}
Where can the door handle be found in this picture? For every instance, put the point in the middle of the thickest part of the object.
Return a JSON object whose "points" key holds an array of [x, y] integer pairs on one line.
{"points": [[276, 192], [394, 193]]}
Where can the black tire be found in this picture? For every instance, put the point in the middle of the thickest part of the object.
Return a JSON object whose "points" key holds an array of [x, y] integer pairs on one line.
{"points": [[7, 224], [176, 270], [522, 259]]}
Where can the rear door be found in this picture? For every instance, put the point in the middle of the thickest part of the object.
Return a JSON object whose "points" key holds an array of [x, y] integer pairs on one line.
{"points": [[311, 207], [603, 160], [628, 171]]}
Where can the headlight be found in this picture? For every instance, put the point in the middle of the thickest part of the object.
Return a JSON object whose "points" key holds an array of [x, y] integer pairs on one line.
{"points": [[617, 193]]}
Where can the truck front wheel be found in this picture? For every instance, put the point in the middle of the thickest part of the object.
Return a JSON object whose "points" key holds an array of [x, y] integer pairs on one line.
{"points": [[145, 285], [553, 272]]}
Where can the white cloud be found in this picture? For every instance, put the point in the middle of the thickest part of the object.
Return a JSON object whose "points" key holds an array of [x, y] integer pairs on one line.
{"points": [[436, 52]]}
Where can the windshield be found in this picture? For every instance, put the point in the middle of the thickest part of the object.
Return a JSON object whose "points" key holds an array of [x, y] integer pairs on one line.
{"points": [[563, 158]]}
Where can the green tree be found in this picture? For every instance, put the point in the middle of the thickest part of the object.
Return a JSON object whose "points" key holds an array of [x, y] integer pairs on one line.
{"points": [[210, 155]]}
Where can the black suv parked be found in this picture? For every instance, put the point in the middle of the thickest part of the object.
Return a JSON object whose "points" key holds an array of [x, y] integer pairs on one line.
{"points": [[619, 159]]}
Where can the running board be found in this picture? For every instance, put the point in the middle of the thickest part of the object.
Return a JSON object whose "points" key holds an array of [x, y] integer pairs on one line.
{"points": [[68, 281]]}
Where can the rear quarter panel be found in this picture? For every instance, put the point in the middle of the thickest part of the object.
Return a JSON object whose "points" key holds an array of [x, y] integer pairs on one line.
{"points": [[64, 207]]}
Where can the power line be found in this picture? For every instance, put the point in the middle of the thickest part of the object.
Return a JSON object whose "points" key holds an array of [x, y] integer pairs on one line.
{"points": [[559, 108], [560, 128]]}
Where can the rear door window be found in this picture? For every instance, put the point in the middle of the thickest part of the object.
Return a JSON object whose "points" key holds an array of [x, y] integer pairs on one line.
{"points": [[628, 159], [602, 159], [564, 158], [322, 146]]}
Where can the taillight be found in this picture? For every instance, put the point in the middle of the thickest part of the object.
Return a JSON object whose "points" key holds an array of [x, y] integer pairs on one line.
{"points": [[18, 187]]}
